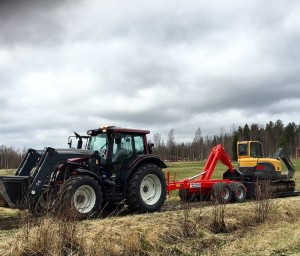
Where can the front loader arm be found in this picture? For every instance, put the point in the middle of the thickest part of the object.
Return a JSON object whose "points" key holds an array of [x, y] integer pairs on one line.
{"points": [[21, 191], [47, 164], [28, 162]]}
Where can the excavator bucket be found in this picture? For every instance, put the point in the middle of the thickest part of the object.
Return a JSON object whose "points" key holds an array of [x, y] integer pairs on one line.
{"points": [[13, 191]]}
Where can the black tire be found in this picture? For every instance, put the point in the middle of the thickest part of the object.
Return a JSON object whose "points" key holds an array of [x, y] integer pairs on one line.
{"points": [[46, 204], [185, 196], [202, 197], [221, 192], [147, 189], [80, 197], [238, 192]]}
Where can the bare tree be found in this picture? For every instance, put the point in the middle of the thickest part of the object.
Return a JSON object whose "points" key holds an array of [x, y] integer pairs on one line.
{"points": [[171, 144], [197, 144]]}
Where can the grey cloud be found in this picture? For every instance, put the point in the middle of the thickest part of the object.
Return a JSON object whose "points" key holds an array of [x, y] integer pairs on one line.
{"points": [[32, 22], [157, 65]]}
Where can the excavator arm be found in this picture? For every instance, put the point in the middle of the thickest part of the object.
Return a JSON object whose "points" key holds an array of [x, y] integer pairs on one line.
{"points": [[283, 156], [204, 178], [216, 154]]}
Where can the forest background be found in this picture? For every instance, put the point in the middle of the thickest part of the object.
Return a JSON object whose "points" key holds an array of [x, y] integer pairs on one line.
{"points": [[272, 135]]}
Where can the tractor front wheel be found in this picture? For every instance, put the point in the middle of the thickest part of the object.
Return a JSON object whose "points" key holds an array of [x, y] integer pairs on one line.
{"points": [[147, 189], [80, 197]]}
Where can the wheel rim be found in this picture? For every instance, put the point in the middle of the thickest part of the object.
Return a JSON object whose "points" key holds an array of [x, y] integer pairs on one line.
{"points": [[240, 192], [84, 199], [150, 189], [225, 193]]}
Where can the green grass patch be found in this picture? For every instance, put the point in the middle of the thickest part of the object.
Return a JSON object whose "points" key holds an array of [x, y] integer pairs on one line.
{"points": [[7, 171]]}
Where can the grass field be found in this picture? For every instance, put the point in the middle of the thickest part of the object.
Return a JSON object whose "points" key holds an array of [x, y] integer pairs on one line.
{"points": [[188, 230]]}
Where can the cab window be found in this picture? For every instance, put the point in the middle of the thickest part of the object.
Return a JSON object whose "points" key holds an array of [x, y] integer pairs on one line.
{"points": [[98, 142], [139, 144], [243, 149], [255, 150], [131, 144], [126, 144]]}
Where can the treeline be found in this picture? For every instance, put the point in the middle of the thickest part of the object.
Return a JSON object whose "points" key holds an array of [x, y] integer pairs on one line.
{"points": [[272, 135], [10, 157]]}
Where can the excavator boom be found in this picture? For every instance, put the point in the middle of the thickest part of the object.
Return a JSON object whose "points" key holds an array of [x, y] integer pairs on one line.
{"points": [[204, 180], [216, 154]]}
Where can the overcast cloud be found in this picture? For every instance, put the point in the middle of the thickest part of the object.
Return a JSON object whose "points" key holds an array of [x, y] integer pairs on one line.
{"points": [[75, 65]]}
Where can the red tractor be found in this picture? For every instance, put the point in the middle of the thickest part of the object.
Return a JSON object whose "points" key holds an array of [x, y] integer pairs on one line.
{"points": [[115, 166]]}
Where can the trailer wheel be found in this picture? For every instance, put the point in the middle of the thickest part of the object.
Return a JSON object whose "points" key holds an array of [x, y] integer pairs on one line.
{"points": [[185, 196], [147, 189], [201, 197], [80, 197], [238, 192], [221, 192]]}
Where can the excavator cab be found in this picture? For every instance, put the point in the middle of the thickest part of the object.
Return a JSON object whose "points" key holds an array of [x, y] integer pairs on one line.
{"points": [[248, 149], [253, 164]]}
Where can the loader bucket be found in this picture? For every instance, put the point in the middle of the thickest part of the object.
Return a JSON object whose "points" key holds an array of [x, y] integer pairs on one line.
{"points": [[13, 191]]}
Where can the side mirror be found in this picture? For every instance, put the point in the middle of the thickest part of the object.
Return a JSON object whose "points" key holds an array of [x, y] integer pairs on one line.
{"points": [[79, 144], [150, 146], [70, 142], [118, 140]]}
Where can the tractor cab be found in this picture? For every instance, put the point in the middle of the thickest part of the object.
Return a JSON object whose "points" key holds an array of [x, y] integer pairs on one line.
{"points": [[112, 141], [118, 147]]}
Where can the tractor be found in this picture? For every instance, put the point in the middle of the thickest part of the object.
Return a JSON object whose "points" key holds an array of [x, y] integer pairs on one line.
{"points": [[114, 166]]}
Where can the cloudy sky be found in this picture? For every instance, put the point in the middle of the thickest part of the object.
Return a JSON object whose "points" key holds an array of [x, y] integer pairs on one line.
{"points": [[162, 64]]}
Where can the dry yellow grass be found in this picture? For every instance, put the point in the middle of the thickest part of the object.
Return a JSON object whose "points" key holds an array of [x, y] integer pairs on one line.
{"points": [[180, 232]]}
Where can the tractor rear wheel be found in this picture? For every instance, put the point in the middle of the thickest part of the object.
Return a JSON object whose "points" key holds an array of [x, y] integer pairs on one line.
{"points": [[221, 192], [80, 197], [147, 189], [238, 192]]}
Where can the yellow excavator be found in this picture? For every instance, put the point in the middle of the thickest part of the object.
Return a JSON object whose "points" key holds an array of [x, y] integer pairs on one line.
{"points": [[253, 166]]}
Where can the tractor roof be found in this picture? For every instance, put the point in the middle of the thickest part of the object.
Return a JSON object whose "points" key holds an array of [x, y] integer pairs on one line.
{"points": [[114, 129]]}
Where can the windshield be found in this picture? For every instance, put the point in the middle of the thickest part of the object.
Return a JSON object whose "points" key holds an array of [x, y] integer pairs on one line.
{"points": [[98, 142], [256, 150]]}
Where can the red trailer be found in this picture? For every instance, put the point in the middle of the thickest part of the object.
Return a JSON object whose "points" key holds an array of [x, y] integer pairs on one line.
{"points": [[202, 187]]}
